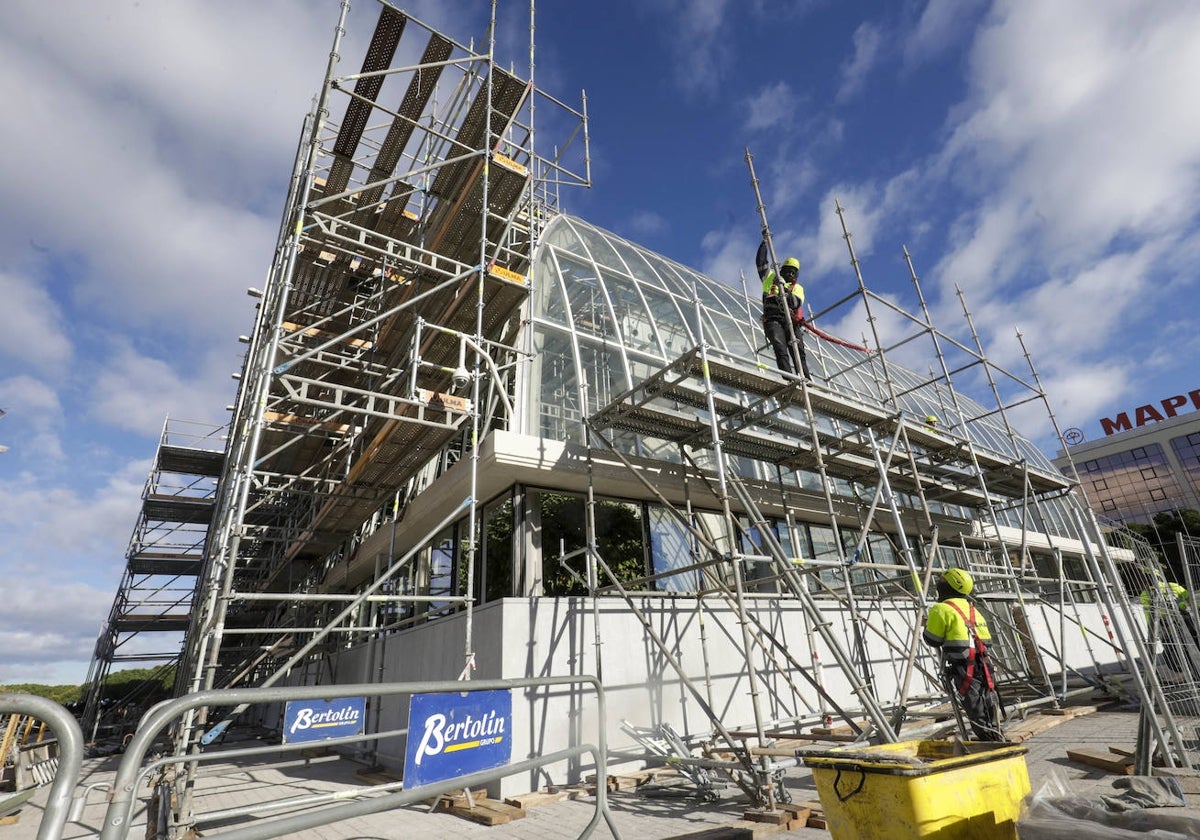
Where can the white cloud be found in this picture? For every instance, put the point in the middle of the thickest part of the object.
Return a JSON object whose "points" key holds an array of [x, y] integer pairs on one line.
{"points": [[29, 398], [699, 54], [728, 254], [136, 392], [646, 223], [1080, 145], [64, 549], [32, 427], [867, 43], [31, 325], [941, 24], [772, 106], [1098, 132]]}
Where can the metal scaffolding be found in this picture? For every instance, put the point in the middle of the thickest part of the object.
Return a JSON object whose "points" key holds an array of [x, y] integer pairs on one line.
{"points": [[163, 562], [944, 493], [383, 345], [390, 341]]}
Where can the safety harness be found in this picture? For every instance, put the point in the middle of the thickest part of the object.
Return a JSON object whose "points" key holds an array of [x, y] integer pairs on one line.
{"points": [[977, 652]]}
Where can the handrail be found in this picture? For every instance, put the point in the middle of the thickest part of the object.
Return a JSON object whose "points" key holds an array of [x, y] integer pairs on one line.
{"points": [[118, 817], [70, 756]]}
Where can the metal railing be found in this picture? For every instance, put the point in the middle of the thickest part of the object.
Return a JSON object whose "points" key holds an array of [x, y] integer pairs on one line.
{"points": [[70, 756], [66, 804], [118, 818]]}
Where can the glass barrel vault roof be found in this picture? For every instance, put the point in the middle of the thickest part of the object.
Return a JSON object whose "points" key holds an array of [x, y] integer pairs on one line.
{"points": [[606, 314]]}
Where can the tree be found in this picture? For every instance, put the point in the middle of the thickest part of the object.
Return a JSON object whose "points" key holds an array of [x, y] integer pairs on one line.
{"points": [[1162, 532]]}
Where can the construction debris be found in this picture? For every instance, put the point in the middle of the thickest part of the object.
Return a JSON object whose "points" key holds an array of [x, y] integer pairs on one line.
{"points": [[1110, 761]]}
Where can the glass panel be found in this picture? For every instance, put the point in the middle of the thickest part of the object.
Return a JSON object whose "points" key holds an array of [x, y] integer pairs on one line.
{"points": [[589, 308], [621, 540], [670, 548], [562, 532], [732, 336], [561, 234], [605, 373], [548, 301], [498, 551], [442, 559], [760, 574], [632, 318], [559, 413], [676, 337], [598, 247], [824, 549]]}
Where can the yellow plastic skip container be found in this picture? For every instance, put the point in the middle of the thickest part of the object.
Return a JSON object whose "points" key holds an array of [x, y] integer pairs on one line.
{"points": [[943, 790]]}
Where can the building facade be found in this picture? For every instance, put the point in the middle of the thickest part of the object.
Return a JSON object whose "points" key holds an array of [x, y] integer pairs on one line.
{"points": [[1134, 473], [476, 436]]}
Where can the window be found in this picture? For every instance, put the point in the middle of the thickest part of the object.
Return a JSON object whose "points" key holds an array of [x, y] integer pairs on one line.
{"points": [[671, 548], [498, 551], [1100, 484]]}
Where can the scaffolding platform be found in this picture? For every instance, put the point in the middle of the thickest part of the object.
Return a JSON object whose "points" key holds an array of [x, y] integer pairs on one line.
{"points": [[765, 415]]}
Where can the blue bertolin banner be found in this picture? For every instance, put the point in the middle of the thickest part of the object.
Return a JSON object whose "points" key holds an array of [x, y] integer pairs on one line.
{"points": [[317, 720], [451, 735]]}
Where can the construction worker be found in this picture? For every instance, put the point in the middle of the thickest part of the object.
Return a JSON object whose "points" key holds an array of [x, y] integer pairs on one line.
{"points": [[960, 632], [1170, 592], [931, 421], [1175, 598], [783, 309]]}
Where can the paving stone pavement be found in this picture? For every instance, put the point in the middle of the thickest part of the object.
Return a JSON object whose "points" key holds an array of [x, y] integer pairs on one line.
{"points": [[223, 786]]}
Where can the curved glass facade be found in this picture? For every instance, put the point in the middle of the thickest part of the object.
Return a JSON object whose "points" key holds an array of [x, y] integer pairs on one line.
{"points": [[606, 314]]}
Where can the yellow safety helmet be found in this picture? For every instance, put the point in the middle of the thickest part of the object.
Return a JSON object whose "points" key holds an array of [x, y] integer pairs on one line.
{"points": [[790, 262], [958, 580], [931, 419]]}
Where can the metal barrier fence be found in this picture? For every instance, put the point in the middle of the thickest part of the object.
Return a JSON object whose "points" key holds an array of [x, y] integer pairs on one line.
{"points": [[70, 757], [118, 819]]}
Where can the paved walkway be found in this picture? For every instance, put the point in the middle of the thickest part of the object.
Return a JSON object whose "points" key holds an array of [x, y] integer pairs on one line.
{"points": [[636, 816]]}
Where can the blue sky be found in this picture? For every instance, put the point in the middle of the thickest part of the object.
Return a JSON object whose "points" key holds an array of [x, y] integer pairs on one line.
{"points": [[1042, 157]]}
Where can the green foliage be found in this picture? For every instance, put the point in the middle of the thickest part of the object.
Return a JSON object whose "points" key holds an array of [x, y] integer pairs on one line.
{"points": [[563, 517], [1161, 535], [619, 541], [139, 684], [61, 694]]}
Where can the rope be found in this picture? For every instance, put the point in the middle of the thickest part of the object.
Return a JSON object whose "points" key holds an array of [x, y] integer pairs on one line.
{"points": [[831, 338]]}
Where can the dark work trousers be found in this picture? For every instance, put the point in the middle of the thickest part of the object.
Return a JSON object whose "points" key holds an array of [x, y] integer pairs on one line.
{"points": [[981, 706], [779, 336]]}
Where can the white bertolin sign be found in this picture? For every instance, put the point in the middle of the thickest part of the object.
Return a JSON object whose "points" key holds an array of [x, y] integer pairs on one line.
{"points": [[318, 720], [451, 735]]}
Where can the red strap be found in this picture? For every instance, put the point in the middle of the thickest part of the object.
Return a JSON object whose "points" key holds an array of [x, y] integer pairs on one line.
{"points": [[976, 651], [808, 325]]}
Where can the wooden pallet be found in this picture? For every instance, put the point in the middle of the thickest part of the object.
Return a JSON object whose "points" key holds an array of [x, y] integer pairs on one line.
{"points": [[483, 810], [1113, 762], [755, 825], [635, 779], [1047, 719], [545, 797]]}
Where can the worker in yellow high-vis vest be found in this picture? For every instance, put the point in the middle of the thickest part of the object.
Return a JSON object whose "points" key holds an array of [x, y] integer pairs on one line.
{"points": [[960, 632], [1158, 607]]}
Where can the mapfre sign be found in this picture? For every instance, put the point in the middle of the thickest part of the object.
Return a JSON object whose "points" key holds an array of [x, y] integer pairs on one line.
{"points": [[1151, 413]]}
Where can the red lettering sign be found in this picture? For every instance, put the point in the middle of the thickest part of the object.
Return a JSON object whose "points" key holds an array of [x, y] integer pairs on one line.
{"points": [[1144, 414], [1121, 424], [1171, 403]]}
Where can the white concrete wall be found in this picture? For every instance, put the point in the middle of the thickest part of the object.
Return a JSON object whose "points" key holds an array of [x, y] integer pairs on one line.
{"points": [[520, 637]]}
